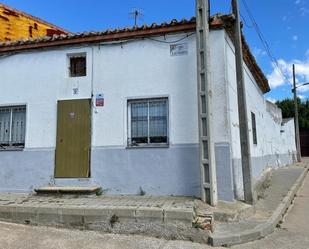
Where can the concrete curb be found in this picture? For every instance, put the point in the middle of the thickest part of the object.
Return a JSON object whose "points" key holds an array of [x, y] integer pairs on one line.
{"points": [[168, 223], [267, 227], [79, 216]]}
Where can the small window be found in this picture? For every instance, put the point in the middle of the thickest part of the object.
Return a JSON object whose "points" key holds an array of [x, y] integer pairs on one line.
{"points": [[148, 122], [12, 127], [77, 65], [254, 134]]}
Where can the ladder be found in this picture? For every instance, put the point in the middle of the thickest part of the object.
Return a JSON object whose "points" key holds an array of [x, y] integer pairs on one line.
{"points": [[207, 158]]}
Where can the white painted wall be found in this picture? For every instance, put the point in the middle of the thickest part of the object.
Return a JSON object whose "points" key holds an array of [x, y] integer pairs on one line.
{"points": [[139, 69], [129, 70], [145, 69], [268, 116], [39, 79], [274, 147]]}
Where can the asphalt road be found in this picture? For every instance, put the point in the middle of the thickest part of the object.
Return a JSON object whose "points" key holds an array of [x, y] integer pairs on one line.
{"points": [[293, 234]]}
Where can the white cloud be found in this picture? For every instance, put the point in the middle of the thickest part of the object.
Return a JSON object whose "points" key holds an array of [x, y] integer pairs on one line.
{"points": [[304, 11], [295, 37], [259, 52], [272, 100], [284, 76]]}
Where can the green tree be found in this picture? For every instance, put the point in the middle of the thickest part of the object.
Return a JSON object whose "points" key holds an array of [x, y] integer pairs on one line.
{"points": [[287, 107]]}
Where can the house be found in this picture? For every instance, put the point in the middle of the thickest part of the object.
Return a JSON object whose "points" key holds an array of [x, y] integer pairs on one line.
{"points": [[119, 108], [17, 25]]}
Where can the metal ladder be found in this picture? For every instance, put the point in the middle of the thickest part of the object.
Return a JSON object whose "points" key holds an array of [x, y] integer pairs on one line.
{"points": [[207, 158]]}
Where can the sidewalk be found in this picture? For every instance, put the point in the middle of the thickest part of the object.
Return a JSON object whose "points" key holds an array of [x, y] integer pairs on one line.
{"points": [[162, 217], [165, 217], [269, 210]]}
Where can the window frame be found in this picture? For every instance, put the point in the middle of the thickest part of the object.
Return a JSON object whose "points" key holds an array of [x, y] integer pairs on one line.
{"points": [[69, 61], [129, 123], [254, 129], [14, 146]]}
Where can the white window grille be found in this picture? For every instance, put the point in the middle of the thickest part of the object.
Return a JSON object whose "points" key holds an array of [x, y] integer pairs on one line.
{"points": [[12, 127], [148, 122]]}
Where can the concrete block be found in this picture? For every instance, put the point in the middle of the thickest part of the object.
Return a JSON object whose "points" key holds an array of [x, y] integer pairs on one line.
{"points": [[250, 235], [72, 216], [145, 214], [224, 240], [179, 215], [96, 215], [48, 216], [7, 212], [267, 228], [25, 215], [123, 213]]}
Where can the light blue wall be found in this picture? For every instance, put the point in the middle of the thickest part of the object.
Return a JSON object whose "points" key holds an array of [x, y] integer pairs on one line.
{"points": [[158, 171], [22, 171], [259, 165]]}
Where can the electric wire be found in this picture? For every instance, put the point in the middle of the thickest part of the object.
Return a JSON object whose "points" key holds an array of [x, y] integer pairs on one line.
{"points": [[245, 22], [170, 42], [264, 42]]}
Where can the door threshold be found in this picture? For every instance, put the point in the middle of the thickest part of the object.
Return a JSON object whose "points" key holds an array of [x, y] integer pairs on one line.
{"points": [[69, 190]]}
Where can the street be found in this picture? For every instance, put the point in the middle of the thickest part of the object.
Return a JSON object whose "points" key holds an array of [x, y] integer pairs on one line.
{"points": [[294, 233]]}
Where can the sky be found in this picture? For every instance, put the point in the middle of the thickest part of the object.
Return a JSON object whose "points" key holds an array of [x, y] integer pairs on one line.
{"points": [[283, 24]]}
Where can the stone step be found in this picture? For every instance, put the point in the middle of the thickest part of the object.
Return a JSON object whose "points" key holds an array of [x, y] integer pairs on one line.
{"points": [[69, 190]]}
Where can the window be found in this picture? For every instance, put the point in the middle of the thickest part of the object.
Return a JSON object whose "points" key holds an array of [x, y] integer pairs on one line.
{"points": [[12, 127], [254, 135], [77, 65], [148, 122]]}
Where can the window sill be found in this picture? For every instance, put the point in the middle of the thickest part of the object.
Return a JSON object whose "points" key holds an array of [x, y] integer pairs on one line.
{"points": [[152, 146], [74, 77], [12, 149]]}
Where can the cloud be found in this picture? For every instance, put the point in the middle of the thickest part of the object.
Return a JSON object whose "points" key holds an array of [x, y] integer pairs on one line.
{"points": [[260, 52], [272, 100], [304, 11], [295, 37], [284, 75]]}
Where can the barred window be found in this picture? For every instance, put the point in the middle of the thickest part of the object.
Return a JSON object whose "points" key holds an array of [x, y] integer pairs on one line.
{"points": [[77, 65], [148, 122], [12, 126]]}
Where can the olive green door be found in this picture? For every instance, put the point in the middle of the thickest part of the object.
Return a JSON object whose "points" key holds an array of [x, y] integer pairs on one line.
{"points": [[73, 139]]}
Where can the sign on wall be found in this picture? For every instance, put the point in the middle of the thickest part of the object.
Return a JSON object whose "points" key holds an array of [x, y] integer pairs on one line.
{"points": [[99, 100], [179, 49]]}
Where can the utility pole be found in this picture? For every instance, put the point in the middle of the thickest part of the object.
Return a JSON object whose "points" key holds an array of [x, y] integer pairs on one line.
{"points": [[207, 154], [242, 111], [297, 139]]}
